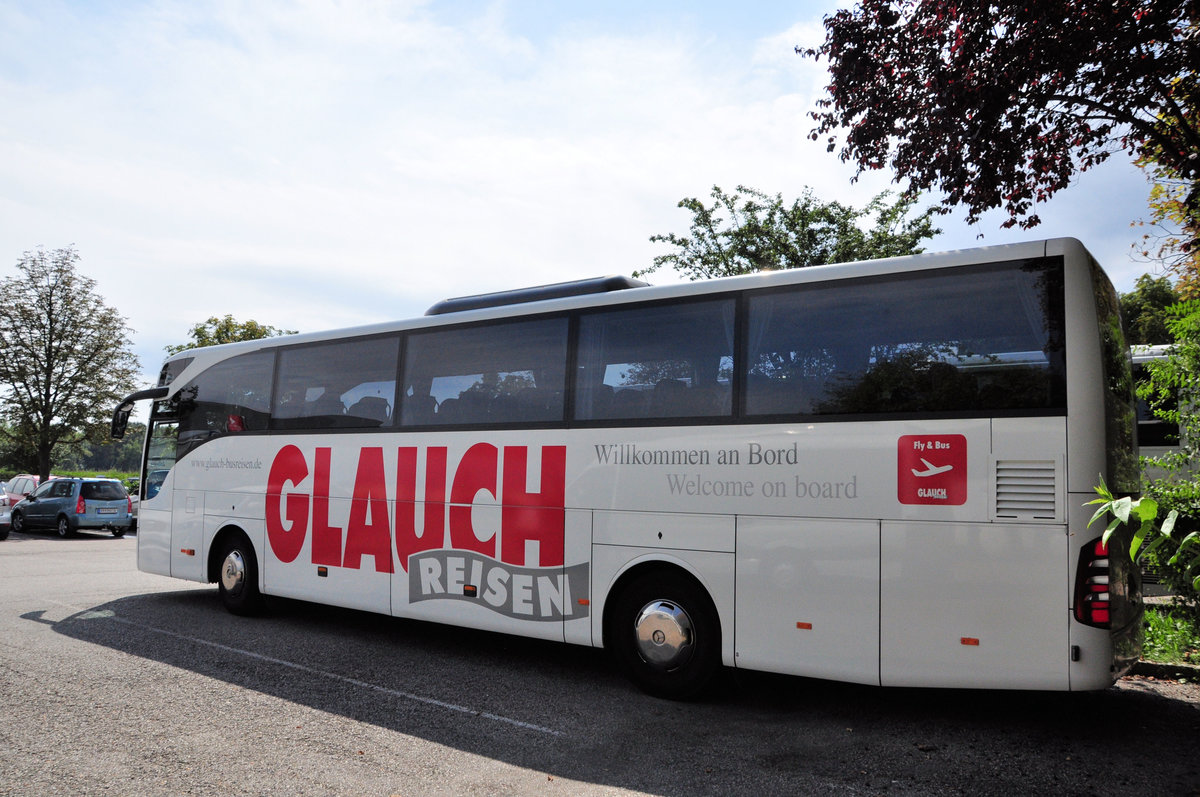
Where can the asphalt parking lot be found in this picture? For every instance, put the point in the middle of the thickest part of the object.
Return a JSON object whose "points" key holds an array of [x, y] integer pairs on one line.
{"points": [[120, 682]]}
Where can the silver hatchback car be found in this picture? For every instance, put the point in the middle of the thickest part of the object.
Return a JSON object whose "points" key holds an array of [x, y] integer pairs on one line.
{"points": [[69, 505]]}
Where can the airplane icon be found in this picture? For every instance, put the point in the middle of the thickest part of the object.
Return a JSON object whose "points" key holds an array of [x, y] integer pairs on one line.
{"points": [[931, 469]]}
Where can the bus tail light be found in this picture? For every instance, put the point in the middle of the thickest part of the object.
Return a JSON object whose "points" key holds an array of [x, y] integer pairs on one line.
{"points": [[1092, 605]]}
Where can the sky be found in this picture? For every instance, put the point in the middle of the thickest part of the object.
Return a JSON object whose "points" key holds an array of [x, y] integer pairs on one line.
{"points": [[321, 164]]}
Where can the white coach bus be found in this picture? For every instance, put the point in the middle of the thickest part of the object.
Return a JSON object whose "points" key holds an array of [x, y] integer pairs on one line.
{"points": [[873, 472], [1156, 437]]}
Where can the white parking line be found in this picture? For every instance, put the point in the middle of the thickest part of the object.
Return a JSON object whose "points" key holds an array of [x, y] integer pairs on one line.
{"points": [[429, 701]]}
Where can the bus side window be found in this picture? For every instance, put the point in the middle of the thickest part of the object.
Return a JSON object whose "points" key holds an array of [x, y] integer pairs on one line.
{"points": [[1153, 430], [664, 361], [348, 384], [500, 373], [239, 388], [920, 342]]}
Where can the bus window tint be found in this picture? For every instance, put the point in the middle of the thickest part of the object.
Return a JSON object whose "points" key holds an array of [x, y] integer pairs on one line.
{"points": [[232, 396], [666, 361], [172, 369], [500, 373], [345, 385], [976, 339]]}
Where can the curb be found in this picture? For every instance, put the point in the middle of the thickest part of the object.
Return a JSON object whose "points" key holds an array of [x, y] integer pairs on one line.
{"points": [[1173, 672]]}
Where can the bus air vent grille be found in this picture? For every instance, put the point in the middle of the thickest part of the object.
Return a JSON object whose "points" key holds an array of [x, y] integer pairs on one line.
{"points": [[1026, 490]]}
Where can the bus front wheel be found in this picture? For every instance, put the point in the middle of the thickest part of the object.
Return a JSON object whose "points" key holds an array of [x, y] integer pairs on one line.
{"points": [[665, 635], [237, 577]]}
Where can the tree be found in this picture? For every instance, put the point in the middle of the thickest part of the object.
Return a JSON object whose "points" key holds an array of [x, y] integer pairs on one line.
{"points": [[65, 358], [215, 331], [1144, 310], [102, 454], [1173, 390], [1174, 208], [999, 105], [750, 231]]}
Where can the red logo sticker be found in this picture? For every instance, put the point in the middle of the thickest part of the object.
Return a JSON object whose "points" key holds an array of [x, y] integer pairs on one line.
{"points": [[932, 469]]}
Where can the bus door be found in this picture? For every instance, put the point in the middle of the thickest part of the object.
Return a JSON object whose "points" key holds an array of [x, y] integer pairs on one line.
{"points": [[187, 535], [155, 502]]}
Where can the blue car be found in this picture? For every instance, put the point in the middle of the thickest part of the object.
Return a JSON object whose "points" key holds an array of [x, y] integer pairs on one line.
{"points": [[69, 505]]}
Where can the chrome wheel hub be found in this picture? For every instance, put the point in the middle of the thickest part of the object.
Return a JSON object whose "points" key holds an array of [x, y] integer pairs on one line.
{"points": [[663, 634], [233, 571]]}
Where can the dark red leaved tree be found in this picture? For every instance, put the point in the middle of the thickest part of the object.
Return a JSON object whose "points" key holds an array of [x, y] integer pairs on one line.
{"points": [[999, 105]]}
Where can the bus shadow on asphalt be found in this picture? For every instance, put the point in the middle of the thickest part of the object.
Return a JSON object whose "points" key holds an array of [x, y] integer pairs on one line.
{"points": [[534, 703]]}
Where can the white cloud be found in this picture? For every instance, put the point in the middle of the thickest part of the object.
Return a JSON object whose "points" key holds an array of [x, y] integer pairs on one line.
{"points": [[320, 164]]}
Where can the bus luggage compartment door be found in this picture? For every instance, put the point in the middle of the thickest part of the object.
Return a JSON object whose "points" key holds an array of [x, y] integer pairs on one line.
{"points": [[973, 605], [808, 597]]}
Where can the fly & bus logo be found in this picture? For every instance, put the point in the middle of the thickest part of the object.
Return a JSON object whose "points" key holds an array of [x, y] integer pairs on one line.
{"points": [[932, 469], [298, 507]]}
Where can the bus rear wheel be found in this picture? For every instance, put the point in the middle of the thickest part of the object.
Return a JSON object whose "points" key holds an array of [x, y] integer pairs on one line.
{"points": [[665, 634], [237, 577]]}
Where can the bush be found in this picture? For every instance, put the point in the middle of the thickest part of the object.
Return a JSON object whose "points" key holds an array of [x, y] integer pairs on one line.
{"points": [[1172, 637], [1173, 390]]}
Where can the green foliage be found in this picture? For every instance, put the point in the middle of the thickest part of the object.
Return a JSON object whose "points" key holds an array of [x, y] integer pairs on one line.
{"points": [[1144, 310], [1174, 199], [749, 231], [124, 476], [1172, 637], [1174, 392], [1001, 105], [102, 453], [216, 331], [1128, 511], [65, 357]]}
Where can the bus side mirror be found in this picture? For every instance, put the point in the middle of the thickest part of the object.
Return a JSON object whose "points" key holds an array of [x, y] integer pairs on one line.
{"points": [[121, 420], [121, 413]]}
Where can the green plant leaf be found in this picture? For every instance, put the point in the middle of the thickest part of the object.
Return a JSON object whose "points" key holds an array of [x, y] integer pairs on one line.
{"points": [[1138, 537], [1108, 532], [1122, 508], [1101, 512]]}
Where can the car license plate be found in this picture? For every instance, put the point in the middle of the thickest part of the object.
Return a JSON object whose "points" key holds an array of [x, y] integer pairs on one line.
{"points": [[107, 510]]}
